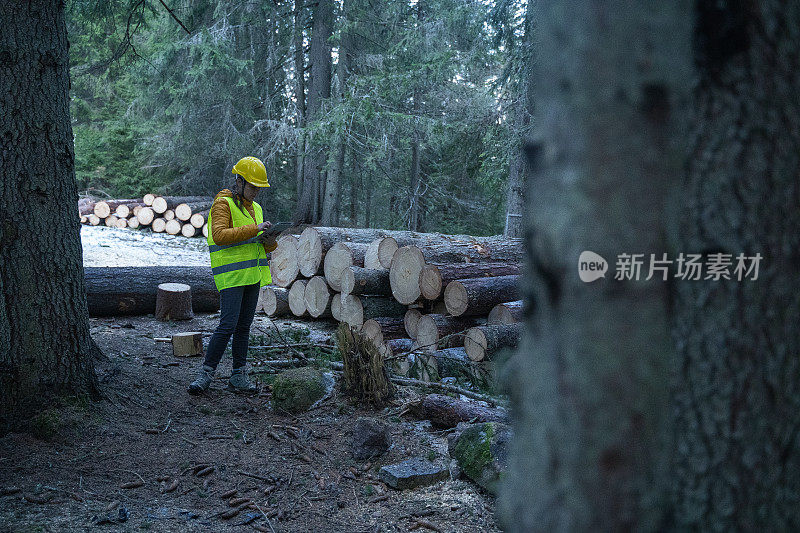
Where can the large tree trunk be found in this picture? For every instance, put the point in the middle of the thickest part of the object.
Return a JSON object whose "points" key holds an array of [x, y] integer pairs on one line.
{"points": [[736, 401], [299, 93], [523, 107], [309, 204], [330, 206], [589, 382], [115, 291], [45, 346]]}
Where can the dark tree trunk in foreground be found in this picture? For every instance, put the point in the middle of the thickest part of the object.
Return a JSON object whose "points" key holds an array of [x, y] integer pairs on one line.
{"points": [[737, 397], [590, 380], [45, 346]]}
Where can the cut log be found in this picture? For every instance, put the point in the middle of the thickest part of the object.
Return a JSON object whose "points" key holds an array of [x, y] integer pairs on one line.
{"points": [[357, 280], [104, 208], [162, 203], [477, 296], [173, 227], [315, 242], [342, 256], [137, 208], [410, 320], [275, 301], [145, 216], [386, 249], [174, 302], [482, 342], [84, 219], [148, 199], [336, 306], [283, 262], [169, 214], [113, 291], [94, 220], [371, 259], [205, 230], [133, 222], [111, 221], [121, 223], [183, 212], [158, 225], [432, 328], [406, 266], [125, 210], [188, 230], [199, 218], [185, 344], [506, 313], [382, 329], [356, 309], [446, 412], [86, 206], [297, 293], [434, 278], [317, 297]]}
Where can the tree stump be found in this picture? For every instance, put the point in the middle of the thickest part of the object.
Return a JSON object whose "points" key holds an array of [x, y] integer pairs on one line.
{"points": [[185, 344], [174, 302]]}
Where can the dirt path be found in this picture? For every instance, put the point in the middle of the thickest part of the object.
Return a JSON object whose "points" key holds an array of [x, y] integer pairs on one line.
{"points": [[148, 426]]}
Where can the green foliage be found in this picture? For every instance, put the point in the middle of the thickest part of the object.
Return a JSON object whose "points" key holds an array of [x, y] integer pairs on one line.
{"points": [[155, 109]]}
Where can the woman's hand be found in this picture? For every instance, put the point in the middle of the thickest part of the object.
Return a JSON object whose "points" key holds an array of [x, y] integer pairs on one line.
{"points": [[264, 225]]}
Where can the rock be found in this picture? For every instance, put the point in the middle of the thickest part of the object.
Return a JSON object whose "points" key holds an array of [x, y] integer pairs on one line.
{"points": [[370, 438], [297, 389], [481, 451], [414, 472]]}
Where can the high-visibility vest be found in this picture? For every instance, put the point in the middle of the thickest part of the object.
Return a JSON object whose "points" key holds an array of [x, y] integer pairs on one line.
{"points": [[241, 263]]}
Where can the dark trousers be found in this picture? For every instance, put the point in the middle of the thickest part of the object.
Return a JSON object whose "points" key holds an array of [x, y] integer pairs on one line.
{"points": [[237, 308]]}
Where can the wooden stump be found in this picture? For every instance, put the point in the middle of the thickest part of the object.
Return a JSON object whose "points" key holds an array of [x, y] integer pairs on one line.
{"points": [[365, 376], [174, 302], [185, 344]]}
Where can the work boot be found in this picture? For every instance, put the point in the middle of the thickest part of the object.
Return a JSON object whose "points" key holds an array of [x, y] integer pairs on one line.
{"points": [[203, 380], [240, 383]]}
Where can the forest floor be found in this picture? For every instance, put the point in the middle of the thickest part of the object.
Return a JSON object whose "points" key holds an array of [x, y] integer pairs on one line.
{"points": [[297, 469]]}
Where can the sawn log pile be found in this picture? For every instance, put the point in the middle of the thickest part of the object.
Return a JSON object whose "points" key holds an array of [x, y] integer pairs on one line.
{"points": [[417, 296]]}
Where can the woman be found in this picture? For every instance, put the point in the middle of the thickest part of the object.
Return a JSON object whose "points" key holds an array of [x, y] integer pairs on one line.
{"points": [[239, 266]]}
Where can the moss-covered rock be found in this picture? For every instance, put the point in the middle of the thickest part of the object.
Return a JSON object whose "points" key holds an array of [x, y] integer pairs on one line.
{"points": [[481, 451], [297, 389]]}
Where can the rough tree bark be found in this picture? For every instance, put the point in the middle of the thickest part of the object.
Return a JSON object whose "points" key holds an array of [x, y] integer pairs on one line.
{"points": [[309, 205], [590, 381], [330, 206], [736, 400], [523, 107], [45, 345]]}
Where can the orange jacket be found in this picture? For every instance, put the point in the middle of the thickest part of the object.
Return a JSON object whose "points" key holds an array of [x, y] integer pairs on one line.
{"points": [[221, 222]]}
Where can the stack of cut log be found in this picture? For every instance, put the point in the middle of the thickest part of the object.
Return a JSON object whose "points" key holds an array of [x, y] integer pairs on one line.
{"points": [[428, 301], [175, 215]]}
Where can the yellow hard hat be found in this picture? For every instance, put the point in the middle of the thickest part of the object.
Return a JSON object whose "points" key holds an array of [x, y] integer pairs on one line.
{"points": [[253, 171]]}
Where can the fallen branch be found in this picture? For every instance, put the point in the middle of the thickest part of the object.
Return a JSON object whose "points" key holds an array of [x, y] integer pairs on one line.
{"points": [[443, 386]]}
